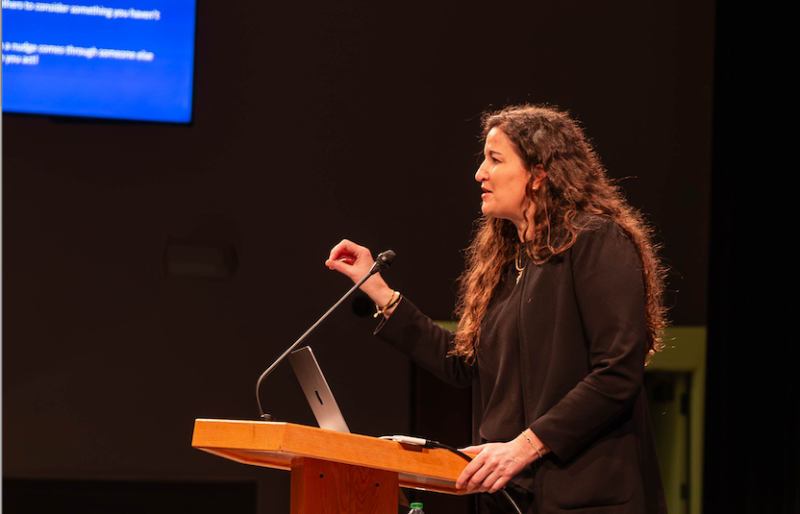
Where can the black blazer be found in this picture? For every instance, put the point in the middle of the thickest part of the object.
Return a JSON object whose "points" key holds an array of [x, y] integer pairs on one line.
{"points": [[582, 353]]}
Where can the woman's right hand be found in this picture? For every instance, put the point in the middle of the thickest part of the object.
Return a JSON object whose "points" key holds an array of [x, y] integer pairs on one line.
{"points": [[350, 259], [355, 261]]}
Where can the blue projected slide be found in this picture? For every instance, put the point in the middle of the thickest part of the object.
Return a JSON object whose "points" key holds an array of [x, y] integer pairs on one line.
{"points": [[131, 59]]}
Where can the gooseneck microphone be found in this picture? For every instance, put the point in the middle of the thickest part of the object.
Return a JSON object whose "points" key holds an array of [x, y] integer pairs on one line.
{"points": [[382, 262]]}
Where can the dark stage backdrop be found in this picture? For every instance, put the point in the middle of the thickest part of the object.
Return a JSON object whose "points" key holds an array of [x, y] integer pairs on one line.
{"points": [[313, 122]]}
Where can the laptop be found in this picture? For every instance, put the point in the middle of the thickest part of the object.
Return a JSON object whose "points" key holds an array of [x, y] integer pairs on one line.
{"points": [[317, 391]]}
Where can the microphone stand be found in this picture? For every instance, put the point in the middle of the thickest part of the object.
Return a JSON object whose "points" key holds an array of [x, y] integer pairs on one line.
{"points": [[383, 261]]}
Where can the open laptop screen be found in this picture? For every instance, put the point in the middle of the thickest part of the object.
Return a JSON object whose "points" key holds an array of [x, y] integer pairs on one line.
{"points": [[317, 391]]}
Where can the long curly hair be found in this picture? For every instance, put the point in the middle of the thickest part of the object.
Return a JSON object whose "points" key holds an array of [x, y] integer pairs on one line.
{"points": [[575, 183]]}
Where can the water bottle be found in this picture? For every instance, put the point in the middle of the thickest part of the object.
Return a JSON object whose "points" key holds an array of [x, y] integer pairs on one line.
{"points": [[416, 508]]}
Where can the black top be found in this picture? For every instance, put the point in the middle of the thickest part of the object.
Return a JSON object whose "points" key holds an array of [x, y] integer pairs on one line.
{"points": [[582, 347], [498, 362]]}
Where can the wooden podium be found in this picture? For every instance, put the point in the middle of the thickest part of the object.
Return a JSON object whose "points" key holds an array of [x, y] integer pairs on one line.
{"points": [[332, 472]]}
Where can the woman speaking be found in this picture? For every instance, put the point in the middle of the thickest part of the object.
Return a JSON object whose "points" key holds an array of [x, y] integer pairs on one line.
{"points": [[559, 308]]}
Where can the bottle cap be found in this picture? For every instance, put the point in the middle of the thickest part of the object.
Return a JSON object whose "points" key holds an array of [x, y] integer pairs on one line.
{"points": [[417, 505]]}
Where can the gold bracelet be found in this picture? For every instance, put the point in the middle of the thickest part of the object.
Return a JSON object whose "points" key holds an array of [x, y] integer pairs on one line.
{"points": [[532, 446], [392, 302]]}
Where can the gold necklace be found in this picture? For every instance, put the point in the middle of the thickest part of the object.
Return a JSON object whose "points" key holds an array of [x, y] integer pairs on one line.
{"points": [[519, 266]]}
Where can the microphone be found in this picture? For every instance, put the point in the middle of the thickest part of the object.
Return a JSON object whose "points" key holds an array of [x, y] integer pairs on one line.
{"points": [[382, 262]]}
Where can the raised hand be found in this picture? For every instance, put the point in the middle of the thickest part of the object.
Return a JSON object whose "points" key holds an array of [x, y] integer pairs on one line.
{"points": [[355, 261]]}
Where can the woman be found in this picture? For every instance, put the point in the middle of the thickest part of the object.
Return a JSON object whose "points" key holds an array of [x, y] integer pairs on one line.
{"points": [[559, 307]]}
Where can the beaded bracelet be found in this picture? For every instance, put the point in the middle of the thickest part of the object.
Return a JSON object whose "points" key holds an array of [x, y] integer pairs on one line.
{"points": [[532, 446]]}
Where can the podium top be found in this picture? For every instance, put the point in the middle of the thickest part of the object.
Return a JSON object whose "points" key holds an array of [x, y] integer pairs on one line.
{"points": [[278, 445]]}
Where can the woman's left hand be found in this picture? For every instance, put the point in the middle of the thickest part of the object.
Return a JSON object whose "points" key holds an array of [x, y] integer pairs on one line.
{"points": [[494, 465]]}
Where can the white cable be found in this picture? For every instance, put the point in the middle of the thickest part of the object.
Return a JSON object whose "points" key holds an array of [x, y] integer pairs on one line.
{"points": [[406, 439]]}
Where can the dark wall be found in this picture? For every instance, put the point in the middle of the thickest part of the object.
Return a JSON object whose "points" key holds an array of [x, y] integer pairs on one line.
{"points": [[312, 122], [752, 449]]}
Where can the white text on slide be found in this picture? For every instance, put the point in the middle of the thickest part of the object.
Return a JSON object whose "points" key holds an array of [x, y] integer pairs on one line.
{"points": [[84, 10]]}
